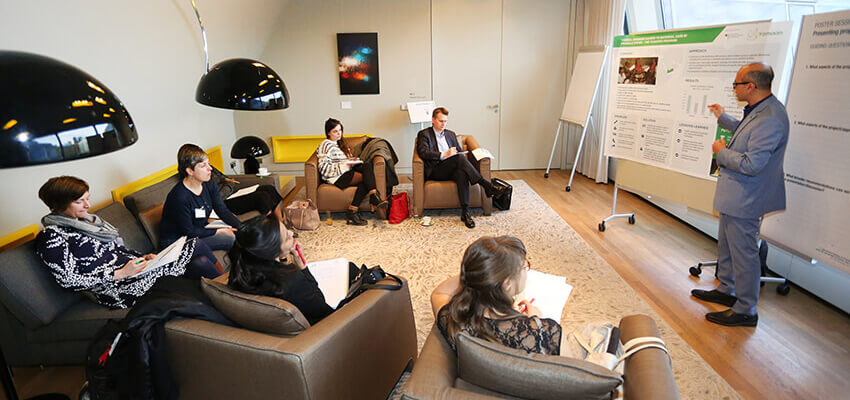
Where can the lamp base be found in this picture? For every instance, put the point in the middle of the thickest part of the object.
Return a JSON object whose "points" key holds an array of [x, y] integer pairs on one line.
{"points": [[252, 166]]}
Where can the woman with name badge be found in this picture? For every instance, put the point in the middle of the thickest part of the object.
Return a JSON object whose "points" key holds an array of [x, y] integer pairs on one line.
{"points": [[191, 202]]}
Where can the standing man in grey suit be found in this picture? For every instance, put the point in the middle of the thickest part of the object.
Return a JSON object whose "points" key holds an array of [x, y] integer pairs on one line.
{"points": [[438, 147], [751, 184]]}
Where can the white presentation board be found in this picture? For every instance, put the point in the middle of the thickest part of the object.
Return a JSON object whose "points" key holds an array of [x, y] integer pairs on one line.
{"points": [[583, 84], [663, 82], [816, 222], [420, 111]]}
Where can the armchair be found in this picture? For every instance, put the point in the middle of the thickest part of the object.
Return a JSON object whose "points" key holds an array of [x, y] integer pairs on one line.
{"points": [[443, 194], [358, 352], [647, 373], [328, 197]]}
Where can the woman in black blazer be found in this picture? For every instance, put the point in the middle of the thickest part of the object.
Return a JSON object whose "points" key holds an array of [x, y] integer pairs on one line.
{"points": [[266, 261]]}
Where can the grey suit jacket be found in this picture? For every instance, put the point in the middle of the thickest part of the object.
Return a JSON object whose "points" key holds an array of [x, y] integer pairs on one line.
{"points": [[751, 181]]}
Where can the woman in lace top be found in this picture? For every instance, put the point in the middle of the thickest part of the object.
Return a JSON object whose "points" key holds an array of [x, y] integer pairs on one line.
{"points": [[338, 167], [480, 301]]}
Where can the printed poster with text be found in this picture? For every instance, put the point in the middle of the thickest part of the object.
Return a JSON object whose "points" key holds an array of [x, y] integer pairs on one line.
{"points": [[663, 82], [816, 220]]}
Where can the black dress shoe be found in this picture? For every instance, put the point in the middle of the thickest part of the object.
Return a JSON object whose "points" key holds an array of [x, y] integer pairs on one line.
{"points": [[731, 318], [353, 218], [467, 220], [715, 296]]}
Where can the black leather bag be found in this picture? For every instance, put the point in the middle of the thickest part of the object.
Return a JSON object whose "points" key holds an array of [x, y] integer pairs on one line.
{"points": [[368, 278], [503, 202]]}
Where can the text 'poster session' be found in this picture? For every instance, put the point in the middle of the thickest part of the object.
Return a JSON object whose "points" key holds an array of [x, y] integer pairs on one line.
{"points": [[816, 221]]}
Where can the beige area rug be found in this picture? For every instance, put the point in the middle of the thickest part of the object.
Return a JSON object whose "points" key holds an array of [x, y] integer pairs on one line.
{"points": [[428, 255]]}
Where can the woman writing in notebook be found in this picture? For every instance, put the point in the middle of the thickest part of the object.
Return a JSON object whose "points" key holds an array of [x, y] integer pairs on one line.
{"points": [[85, 253], [338, 167], [480, 301]]}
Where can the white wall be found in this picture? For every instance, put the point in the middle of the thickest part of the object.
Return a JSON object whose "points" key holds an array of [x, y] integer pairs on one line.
{"points": [[150, 54], [302, 49]]}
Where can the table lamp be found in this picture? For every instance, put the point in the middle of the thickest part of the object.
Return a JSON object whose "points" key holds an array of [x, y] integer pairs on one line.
{"points": [[249, 148]]}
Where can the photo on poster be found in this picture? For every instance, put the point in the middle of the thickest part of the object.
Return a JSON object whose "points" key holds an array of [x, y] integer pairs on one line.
{"points": [[637, 71], [358, 63]]}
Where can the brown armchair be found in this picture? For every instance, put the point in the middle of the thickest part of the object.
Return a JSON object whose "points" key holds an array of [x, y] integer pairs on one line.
{"points": [[328, 197], [358, 352], [647, 373], [443, 194]]}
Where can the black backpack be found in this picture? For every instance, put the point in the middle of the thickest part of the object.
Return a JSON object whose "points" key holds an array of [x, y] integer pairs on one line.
{"points": [[107, 363]]}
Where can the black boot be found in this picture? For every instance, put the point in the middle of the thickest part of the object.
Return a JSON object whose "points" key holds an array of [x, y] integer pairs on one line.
{"points": [[352, 217], [378, 205]]}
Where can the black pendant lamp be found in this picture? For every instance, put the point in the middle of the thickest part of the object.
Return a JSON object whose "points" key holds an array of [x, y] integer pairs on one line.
{"points": [[51, 111], [239, 83]]}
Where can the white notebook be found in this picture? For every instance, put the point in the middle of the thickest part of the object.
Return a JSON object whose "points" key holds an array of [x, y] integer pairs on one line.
{"points": [[167, 255], [550, 293], [332, 277]]}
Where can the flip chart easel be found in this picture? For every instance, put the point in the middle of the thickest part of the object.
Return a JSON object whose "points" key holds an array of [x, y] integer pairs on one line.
{"points": [[580, 97]]}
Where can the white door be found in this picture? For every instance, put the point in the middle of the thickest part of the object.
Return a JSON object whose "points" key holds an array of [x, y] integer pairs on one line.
{"points": [[534, 46], [466, 49]]}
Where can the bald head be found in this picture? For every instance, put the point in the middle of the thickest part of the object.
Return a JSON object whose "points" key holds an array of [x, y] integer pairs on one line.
{"points": [[760, 74]]}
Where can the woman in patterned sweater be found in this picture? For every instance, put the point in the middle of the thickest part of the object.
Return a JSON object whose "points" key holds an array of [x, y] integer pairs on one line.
{"points": [[84, 252], [338, 167]]}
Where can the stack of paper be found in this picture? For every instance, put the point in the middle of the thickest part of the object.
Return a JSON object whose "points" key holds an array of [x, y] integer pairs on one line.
{"points": [[332, 277], [243, 191], [481, 152], [217, 224], [550, 293]]}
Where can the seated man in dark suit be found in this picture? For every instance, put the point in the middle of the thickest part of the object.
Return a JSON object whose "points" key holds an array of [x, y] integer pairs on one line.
{"points": [[438, 147]]}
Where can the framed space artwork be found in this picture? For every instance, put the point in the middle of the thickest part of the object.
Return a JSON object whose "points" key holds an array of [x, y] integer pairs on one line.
{"points": [[358, 63]]}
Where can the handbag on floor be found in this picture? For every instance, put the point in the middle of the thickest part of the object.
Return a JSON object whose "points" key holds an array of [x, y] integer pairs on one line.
{"points": [[399, 208], [368, 278], [302, 215], [503, 202]]}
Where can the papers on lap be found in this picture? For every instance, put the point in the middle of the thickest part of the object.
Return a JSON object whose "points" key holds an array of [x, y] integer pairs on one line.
{"points": [[243, 191], [332, 277], [165, 257], [217, 224], [549, 292]]}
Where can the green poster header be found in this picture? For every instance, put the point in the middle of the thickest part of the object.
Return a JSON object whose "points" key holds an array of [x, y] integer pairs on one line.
{"points": [[704, 35]]}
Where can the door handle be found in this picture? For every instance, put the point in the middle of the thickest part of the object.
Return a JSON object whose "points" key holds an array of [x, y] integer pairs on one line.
{"points": [[494, 106]]}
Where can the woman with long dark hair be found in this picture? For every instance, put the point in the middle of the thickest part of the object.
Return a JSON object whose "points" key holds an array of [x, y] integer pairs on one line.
{"points": [[86, 253], [265, 261], [338, 167], [480, 301]]}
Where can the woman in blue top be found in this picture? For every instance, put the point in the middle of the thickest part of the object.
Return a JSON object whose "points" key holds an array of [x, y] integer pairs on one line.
{"points": [[191, 202]]}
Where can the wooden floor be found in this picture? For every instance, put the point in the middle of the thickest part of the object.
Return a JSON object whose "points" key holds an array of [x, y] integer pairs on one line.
{"points": [[798, 351]]}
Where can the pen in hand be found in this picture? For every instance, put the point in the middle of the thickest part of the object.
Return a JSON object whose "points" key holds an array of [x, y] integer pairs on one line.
{"points": [[523, 307], [298, 249]]}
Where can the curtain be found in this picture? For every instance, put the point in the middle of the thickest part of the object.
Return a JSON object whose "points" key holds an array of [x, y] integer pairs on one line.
{"points": [[593, 22]]}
